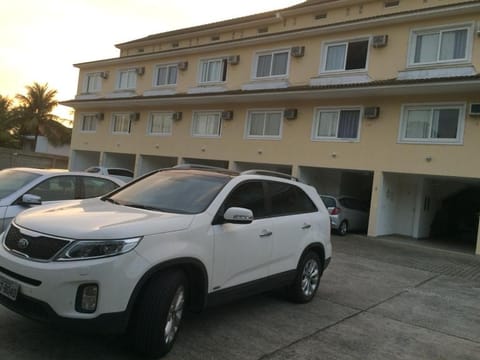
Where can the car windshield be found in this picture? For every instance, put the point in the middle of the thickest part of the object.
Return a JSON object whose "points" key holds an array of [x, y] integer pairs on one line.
{"points": [[175, 191], [12, 180]]}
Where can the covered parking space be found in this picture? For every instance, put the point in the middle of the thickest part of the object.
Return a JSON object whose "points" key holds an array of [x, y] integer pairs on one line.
{"points": [[437, 208], [82, 159]]}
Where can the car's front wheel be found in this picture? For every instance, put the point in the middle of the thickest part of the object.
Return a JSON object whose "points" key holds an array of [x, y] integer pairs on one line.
{"points": [[159, 314], [306, 282]]}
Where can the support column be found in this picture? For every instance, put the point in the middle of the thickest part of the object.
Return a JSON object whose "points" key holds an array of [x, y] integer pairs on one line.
{"points": [[375, 203], [477, 251]]}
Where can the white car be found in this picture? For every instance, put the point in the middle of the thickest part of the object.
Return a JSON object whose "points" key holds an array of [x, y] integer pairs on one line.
{"points": [[22, 188], [176, 238], [120, 173]]}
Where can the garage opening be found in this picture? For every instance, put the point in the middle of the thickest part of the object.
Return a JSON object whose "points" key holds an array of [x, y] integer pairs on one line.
{"points": [[150, 163], [206, 162], [81, 160]]}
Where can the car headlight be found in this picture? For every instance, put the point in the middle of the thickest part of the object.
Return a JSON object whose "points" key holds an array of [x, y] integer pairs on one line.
{"points": [[95, 249]]}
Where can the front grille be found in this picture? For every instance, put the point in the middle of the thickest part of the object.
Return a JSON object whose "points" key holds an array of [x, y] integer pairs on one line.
{"points": [[32, 245]]}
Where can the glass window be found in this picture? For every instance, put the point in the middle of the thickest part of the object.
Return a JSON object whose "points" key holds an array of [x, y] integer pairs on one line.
{"points": [[434, 46], [127, 79], [249, 195], [289, 199], [432, 123], [206, 124], [160, 123], [166, 75], [213, 70], [89, 123], [337, 124], [265, 124], [13, 180], [93, 187], [121, 123], [55, 189], [272, 64], [93, 83], [346, 56]]}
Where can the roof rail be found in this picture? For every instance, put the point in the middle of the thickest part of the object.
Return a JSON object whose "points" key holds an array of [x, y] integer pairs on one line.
{"points": [[204, 167], [270, 173]]}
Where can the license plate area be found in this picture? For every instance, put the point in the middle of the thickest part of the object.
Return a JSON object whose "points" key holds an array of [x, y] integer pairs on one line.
{"points": [[9, 288]]}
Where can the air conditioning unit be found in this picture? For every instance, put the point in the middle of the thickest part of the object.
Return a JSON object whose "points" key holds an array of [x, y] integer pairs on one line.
{"points": [[183, 65], [379, 41], [100, 116], [177, 116], [140, 70], [371, 112], [233, 59], [227, 115], [298, 51], [290, 114], [104, 74], [135, 116], [474, 109]]}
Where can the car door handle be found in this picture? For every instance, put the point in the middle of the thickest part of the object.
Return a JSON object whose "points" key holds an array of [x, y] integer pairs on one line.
{"points": [[306, 226], [266, 233]]}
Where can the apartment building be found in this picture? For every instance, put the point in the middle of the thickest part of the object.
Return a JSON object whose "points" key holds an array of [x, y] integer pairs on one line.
{"points": [[375, 99]]}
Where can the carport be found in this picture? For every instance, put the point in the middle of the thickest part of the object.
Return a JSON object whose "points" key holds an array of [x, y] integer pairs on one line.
{"points": [[444, 209], [147, 163], [80, 159]]}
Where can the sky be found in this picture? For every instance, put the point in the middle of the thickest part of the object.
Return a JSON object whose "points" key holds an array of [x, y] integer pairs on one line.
{"points": [[40, 40]]}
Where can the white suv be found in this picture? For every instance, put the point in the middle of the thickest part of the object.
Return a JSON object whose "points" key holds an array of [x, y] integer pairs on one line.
{"points": [[177, 238]]}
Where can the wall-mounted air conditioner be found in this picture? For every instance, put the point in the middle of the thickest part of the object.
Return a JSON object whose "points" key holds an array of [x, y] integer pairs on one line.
{"points": [[183, 65], [371, 112], [233, 59], [227, 115], [104, 74], [135, 116], [379, 41], [140, 70], [290, 114], [100, 116], [177, 116], [298, 51], [474, 109]]}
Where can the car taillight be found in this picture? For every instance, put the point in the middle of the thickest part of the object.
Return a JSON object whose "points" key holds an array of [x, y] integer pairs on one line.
{"points": [[334, 211]]}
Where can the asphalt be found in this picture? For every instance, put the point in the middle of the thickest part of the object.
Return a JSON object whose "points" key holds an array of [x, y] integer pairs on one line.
{"points": [[386, 298]]}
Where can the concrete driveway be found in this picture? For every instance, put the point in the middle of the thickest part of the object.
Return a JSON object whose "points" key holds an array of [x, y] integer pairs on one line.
{"points": [[379, 299]]}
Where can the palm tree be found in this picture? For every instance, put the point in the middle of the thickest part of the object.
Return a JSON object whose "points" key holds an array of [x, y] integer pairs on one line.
{"points": [[36, 113], [8, 129]]}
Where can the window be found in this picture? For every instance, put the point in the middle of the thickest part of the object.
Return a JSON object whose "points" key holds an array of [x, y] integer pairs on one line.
{"points": [[121, 123], [439, 46], [55, 189], [289, 199], [93, 83], [272, 64], [336, 124], [264, 124], [160, 123], [127, 79], [213, 70], [93, 187], [89, 123], [166, 75], [249, 195], [350, 55], [443, 123], [206, 124]]}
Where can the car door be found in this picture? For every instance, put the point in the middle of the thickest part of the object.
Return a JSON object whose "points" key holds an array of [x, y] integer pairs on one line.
{"points": [[293, 224], [242, 251]]}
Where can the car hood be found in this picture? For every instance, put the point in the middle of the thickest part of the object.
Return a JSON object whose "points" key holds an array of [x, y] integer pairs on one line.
{"points": [[97, 219]]}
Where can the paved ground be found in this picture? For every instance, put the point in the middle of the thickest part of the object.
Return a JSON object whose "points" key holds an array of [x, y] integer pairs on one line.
{"points": [[379, 299]]}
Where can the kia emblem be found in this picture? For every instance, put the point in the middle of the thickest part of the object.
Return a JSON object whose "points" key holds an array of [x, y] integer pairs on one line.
{"points": [[23, 243]]}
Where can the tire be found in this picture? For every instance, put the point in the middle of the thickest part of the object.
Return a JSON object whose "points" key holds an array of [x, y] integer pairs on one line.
{"points": [[158, 315], [307, 279], [343, 228]]}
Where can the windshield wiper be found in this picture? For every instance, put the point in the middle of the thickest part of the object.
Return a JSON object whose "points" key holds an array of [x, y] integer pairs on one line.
{"points": [[110, 200]]}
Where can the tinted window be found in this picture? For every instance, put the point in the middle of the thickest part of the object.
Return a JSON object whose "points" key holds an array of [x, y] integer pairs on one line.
{"points": [[249, 195], [289, 199], [93, 187], [175, 191], [56, 188], [12, 180], [329, 202]]}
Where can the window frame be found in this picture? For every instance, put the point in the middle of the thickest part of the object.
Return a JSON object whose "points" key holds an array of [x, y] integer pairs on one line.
{"points": [[258, 54], [151, 119], [97, 80], [223, 72], [127, 114], [315, 123], [94, 121], [414, 33], [324, 55], [196, 113], [168, 67], [265, 112], [119, 79], [461, 106]]}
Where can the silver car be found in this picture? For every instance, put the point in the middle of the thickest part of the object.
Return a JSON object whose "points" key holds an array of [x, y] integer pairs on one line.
{"points": [[21, 188], [346, 213]]}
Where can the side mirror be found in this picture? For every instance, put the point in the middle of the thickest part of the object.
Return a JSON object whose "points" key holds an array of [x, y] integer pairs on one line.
{"points": [[236, 215], [29, 199]]}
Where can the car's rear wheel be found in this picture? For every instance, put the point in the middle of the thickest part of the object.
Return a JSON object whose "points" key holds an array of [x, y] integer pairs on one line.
{"points": [[307, 279], [343, 228], [159, 314]]}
